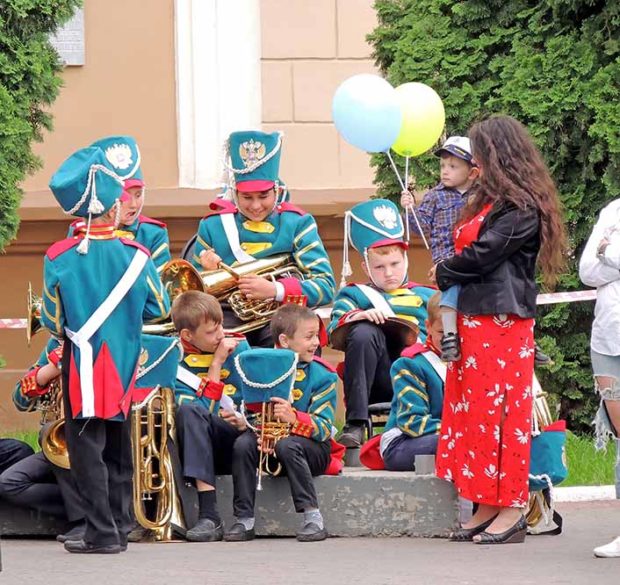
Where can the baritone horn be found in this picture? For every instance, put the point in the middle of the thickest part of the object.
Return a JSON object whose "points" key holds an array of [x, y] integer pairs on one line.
{"points": [[180, 276], [152, 426], [53, 441]]}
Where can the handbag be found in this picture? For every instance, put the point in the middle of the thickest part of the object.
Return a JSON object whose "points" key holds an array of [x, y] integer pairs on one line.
{"points": [[548, 457]]}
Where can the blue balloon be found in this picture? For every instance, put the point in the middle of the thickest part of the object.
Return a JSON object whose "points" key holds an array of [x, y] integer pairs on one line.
{"points": [[366, 112]]}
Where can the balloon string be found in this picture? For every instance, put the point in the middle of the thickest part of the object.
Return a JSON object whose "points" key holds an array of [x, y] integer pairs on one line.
{"points": [[410, 209], [407, 172], [394, 167]]}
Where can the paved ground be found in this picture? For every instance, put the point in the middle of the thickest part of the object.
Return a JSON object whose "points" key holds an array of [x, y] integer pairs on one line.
{"points": [[377, 561]]}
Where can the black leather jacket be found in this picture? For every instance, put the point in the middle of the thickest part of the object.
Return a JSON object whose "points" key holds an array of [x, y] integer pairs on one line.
{"points": [[497, 272]]}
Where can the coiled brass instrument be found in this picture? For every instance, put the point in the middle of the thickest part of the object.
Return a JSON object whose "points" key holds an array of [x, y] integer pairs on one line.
{"points": [[33, 312], [179, 276], [152, 426], [52, 436]]}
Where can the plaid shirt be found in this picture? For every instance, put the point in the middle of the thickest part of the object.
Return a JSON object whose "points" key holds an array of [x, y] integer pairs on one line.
{"points": [[437, 214]]}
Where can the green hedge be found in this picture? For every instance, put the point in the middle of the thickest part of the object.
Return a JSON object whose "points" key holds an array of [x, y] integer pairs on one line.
{"points": [[29, 82], [555, 66]]}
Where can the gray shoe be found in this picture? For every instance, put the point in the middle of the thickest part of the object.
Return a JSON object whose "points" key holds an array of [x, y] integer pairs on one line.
{"points": [[352, 436], [205, 531], [238, 533], [311, 532]]}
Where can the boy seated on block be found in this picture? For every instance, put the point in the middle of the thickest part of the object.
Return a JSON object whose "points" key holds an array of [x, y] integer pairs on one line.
{"points": [[207, 394], [302, 388], [414, 422], [360, 312]]}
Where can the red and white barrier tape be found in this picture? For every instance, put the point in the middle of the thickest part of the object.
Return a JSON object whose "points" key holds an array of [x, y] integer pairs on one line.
{"points": [[325, 312]]}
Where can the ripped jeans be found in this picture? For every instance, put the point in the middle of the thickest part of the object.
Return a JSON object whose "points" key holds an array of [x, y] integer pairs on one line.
{"points": [[605, 366]]}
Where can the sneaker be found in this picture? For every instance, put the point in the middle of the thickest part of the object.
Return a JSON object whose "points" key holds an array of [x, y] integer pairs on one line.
{"points": [[205, 531], [238, 533], [450, 348], [311, 532], [608, 550], [540, 357], [352, 436]]}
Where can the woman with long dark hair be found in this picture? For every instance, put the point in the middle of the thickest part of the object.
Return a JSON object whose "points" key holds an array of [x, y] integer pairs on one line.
{"points": [[512, 223]]}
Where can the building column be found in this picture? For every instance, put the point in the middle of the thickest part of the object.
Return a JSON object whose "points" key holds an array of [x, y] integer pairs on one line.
{"points": [[218, 81]]}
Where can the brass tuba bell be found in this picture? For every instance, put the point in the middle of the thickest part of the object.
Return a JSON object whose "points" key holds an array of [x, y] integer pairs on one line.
{"points": [[54, 444]]}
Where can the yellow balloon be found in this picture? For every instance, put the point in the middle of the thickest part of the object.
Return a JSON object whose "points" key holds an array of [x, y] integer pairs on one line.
{"points": [[423, 118]]}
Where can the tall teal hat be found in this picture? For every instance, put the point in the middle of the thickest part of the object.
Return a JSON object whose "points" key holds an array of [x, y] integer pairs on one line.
{"points": [[158, 362], [85, 187], [254, 159], [123, 157], [266, 373], [371, 224]]}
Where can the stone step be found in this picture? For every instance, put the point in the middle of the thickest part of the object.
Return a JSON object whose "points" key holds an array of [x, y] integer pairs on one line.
{"points": [[359, 502]]}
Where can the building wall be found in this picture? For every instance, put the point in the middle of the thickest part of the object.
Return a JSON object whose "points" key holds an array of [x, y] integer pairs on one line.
{"points": [[127, 85]]}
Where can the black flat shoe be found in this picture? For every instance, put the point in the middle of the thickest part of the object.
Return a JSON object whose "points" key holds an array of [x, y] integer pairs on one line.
{"points": [[81, 547], [467, 534], [514, 534], [205, 531], [75, 533], [238, 533]]}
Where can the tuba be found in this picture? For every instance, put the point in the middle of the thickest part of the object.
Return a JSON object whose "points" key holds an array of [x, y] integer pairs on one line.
{"points": [[152, 426], [180, 276], [52, 438]]}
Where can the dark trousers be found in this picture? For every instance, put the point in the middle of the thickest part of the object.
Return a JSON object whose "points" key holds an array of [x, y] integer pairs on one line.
{"points": [[101, 465], [35, 483], [368, 359], [400, 453], [12, 451], [260, 337], [301, 459], [206, 443]]}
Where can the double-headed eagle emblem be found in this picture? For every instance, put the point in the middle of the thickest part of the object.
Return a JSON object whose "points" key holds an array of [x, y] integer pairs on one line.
{"points": [[251, 152], [386, 216]]}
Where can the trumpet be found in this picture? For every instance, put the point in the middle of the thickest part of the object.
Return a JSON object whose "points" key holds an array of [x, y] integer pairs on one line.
{"points": [[269, 431]]}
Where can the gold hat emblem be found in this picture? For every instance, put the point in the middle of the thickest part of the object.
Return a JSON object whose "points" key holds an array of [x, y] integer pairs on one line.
{"points": [[251, 152]]}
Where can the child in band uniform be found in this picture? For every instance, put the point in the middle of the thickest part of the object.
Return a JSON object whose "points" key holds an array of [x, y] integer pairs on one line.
{"points": [[376, 232], [208, 394], [306, 401]]}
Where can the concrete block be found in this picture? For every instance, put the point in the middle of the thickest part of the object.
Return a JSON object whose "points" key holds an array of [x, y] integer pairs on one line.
{"points": [[297, 29], [356, 19], [16, 521], [357, 503]]}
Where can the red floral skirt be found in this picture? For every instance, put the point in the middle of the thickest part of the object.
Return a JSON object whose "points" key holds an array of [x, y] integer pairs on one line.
{"points": [[484, 446]]}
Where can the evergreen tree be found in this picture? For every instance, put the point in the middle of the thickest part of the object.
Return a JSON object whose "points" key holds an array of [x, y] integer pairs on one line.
{"points": [[555, 66], [29, 82]]}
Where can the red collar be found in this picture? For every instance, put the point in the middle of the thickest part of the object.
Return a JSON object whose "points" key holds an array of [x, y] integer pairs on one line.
{"points": [[190, 348], [429, 345], [104, 231]]}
